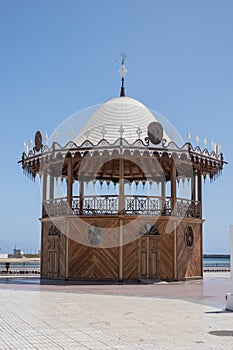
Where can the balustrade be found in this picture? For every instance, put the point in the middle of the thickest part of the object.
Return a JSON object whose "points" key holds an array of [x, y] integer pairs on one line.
{"points": [[109, 205]]}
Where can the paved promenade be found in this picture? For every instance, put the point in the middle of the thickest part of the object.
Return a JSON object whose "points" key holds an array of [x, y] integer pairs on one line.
{"points": [[183, 315]]}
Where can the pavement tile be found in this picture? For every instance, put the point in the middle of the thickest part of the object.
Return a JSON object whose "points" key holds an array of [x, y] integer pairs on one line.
{"points": [[60, 318]]}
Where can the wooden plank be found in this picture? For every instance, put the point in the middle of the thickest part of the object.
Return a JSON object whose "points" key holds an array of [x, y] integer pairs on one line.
{"points": [[189, 259], [130, 261]]}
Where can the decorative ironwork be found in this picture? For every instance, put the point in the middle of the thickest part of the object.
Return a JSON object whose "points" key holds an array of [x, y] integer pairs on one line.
{"points": [[38, 141], [95, 205], [94, 234], [76, 206], [109, 205], [143, 205], [189, 236], [155, 132], [187, 208], [56, 207]]}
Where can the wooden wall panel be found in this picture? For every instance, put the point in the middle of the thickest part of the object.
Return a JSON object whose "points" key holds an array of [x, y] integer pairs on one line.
{"points": [[166, 249], [189, 259], [53, 250], [86, 262], [92, 263], [62, 255], [109, 225], [44, 248], [130, 260], [102, 262]]}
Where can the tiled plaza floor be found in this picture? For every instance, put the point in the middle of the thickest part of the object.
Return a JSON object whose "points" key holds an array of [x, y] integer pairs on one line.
{"points": [[187, 315]]}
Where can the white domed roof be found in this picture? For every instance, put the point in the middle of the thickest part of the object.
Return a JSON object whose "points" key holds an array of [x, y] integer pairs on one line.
{"points": [[119, 117]]}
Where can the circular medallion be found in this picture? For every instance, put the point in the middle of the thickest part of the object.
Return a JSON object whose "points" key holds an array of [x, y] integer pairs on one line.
{"points": [[94, 234], [38, 141], [155, 132], [189, 237]]}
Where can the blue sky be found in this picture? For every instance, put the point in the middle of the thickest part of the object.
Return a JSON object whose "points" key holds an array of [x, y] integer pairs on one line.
{"points": [[58, 57]]}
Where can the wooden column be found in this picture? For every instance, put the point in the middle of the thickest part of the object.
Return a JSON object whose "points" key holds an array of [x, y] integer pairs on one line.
{"points": [[69, 183], [67, 251], [175, 271], [193, 185], [201, 248], [173, 188], [51, 186], [148, 257], [163, 195], [121, 187], [163, 188], [121, 250], [44, 192], [121, 212], [81, 194], [200, 192]]}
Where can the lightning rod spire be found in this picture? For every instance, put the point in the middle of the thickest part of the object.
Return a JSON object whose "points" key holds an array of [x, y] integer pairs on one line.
{"points": [[123, 71]]}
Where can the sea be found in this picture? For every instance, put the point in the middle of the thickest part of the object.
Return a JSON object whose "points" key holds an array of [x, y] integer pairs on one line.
{"points": [[213, 261]]}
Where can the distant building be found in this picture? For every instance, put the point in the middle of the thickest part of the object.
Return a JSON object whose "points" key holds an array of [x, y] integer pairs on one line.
{"points": [[3, 256], [17, 253]]}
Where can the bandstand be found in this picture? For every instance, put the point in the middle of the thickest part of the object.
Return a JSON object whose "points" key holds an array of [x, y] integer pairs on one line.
{"points": [[121, 216]]}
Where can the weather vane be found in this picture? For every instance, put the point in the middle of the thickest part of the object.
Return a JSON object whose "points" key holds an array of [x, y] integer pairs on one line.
{"points": [[123, 71]]}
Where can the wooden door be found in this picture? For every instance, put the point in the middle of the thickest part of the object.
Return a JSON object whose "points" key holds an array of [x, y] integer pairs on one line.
{"points": [[143, 257], [53, 257], [149, 257], [154, 261]]}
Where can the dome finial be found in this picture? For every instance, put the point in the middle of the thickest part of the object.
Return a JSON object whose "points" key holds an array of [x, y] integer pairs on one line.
{"points": [[123, 71]]}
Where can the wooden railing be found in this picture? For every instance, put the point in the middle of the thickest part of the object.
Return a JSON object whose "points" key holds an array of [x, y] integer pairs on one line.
{"points": [[134, 205]]}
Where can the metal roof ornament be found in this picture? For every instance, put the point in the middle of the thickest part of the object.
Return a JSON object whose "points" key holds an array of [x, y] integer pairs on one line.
{"points": [[123, 71], [71, 134], [55, 135], [121, 131], [25, 146], [139, 132], [205, 142], [188, 136], [213, 144], [46, 138]]}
